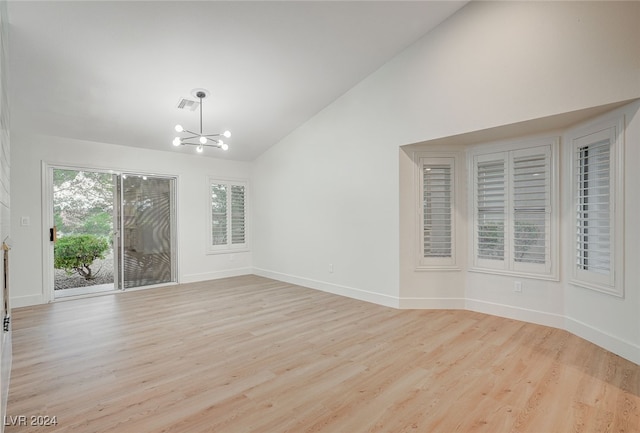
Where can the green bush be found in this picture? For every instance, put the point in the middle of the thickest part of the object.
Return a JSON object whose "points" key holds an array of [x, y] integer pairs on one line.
{"points": [[98, 223], [76, 253]]}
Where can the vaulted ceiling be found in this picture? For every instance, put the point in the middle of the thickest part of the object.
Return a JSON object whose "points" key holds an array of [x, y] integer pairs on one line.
{"points": [[114, 71]]}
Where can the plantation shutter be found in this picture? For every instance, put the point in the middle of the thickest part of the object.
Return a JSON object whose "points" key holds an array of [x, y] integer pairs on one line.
{"points": [[598, 197], [513, 202], [593, 208], [237, 214], [490, 208], [531, 205], [218, 214], [437, 210], [228, 215]]}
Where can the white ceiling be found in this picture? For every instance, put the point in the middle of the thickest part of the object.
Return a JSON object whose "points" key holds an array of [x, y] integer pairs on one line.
{"points": [[114, 71]]}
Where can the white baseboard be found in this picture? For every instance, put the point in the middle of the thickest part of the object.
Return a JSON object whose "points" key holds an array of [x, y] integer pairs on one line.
{"points": [[336, 289], [516, 313], [432, 303], [216, 275], [26, 301], [607, 341]]}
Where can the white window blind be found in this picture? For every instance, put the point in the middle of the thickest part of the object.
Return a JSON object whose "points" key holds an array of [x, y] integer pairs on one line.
{"points": [[490, 205], [227, 215], [531, 206], [598, 199], [437, 210], [436, 216], [237, 214], [593, 211], [513, 225]]}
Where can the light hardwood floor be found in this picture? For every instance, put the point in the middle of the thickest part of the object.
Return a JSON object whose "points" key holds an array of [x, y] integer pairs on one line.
{"points": [[250, 354]]}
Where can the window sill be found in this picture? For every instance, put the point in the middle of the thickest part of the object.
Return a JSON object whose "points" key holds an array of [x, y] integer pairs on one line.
{"points": [[227, 251], [606, 289], [545, 277], [429, 268]]}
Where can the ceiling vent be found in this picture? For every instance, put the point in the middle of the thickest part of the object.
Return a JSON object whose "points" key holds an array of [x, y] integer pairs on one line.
{"points": [[188, 104]]}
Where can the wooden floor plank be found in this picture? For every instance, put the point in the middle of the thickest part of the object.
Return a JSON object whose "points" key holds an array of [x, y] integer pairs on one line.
{"points": [[249, 354]]}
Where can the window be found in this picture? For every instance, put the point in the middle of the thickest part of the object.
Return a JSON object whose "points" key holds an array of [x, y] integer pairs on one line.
{"points": [[436, 211], [531, 207], [491, 206], [513, 210], [227, 214], [437, 187], [597, 199]]}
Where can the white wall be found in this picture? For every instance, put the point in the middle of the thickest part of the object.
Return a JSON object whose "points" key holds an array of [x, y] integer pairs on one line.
{"points": [[317, 202], [192, 170], [329, 192]]}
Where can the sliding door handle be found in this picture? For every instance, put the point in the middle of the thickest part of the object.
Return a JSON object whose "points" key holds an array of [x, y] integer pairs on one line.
{"points": [[53, 234]]}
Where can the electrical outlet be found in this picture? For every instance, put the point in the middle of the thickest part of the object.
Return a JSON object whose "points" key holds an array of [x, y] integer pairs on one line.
{"points": [[331, 268], [517, 286], [25, 221]]}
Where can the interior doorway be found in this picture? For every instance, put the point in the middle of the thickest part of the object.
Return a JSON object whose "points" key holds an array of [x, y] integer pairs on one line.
{"points": [[109, 231]]}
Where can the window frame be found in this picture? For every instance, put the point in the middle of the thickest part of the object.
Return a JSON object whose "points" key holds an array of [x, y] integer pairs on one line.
{"points": [[229, 247], [507, 152], [613, 283]]}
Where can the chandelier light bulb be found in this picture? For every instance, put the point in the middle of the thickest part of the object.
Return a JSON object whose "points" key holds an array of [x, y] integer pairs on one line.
{"points": [[201, 139]]}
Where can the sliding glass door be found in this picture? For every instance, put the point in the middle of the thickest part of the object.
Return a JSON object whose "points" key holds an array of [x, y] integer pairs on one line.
{"points": [[110, 231], [146, 230]]}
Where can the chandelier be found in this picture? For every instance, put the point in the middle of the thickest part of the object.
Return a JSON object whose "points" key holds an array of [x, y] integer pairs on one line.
{"points": [[200, 139]]}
